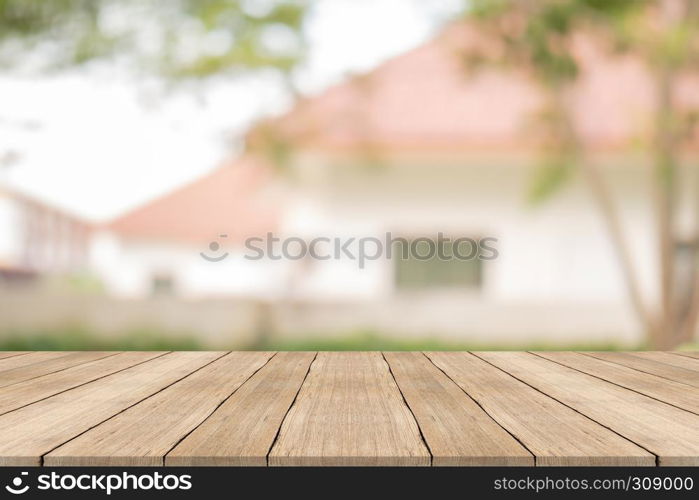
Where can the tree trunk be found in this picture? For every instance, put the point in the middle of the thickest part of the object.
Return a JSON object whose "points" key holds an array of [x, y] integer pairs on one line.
{"points": [[616, 233], [611, 217], [665, 195]]}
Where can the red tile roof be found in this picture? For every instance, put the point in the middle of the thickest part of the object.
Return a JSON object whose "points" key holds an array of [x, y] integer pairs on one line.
{"points": [[427, 100], [424, 100], [234, 200]]}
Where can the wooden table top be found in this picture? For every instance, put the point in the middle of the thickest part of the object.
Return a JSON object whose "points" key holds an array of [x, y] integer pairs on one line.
{"points": [[349, 408]]}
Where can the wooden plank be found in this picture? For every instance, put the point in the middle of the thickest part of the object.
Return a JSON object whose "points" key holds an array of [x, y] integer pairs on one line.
{"points": [[556, 434], [10, 363], [690, 354], [241, 432], [670, 372], [30, 432], [349, 411], [668, 432], [27, 372], [27, 392], [11, 354], [670, 359], [669, 391], [144, 433], [457, 430]]}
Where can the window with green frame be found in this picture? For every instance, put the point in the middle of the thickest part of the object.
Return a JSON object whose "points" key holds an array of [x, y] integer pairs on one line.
{"points": [[413, 271]]}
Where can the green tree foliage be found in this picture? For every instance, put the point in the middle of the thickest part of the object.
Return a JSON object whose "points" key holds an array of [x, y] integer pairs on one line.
{"points": [[538, 37], [175, 38]]}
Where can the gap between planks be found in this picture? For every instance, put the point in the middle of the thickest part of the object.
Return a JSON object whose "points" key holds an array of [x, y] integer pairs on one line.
{"points": [[22, 394], [268, 456], [143, 433], [666, 431], [664, 390], [552, 431]]}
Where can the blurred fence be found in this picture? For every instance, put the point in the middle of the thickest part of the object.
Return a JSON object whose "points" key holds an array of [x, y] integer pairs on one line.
{"points": [[219, 323]]}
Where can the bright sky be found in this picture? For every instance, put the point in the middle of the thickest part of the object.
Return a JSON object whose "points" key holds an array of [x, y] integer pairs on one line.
{"points": [[97, 142]]}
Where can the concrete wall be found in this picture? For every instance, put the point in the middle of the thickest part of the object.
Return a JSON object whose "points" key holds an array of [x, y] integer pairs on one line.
{"points": [[231, 323], [213, 323]]}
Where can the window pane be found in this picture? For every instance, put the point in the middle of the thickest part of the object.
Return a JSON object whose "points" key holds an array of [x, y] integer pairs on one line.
{"points": [[415, 273]]}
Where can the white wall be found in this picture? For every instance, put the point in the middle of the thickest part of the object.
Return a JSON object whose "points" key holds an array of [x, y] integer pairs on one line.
{"points": [[11, 233], [36, 237], [127, 269], [556, 251]]}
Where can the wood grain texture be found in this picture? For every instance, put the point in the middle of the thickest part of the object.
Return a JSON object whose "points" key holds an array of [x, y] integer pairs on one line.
{"points": [[669, 391], [242, 430], [556, 434], [27, 392], [68, 359], [13, 362], [11, 354], [670, 372], [144, 433], [30, 432], [668, 358], [349, 412], [203, 408], [690, 354], [668, 432], [457, 430]]}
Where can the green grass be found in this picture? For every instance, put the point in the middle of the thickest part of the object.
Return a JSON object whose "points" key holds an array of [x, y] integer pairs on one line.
{"points": [[79, 340], [146, 340], [368, 341]]}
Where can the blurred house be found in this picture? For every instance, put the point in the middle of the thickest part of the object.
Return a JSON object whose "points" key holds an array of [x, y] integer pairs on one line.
{"points": [[38, 240], [159, 248], [417, 147]]}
